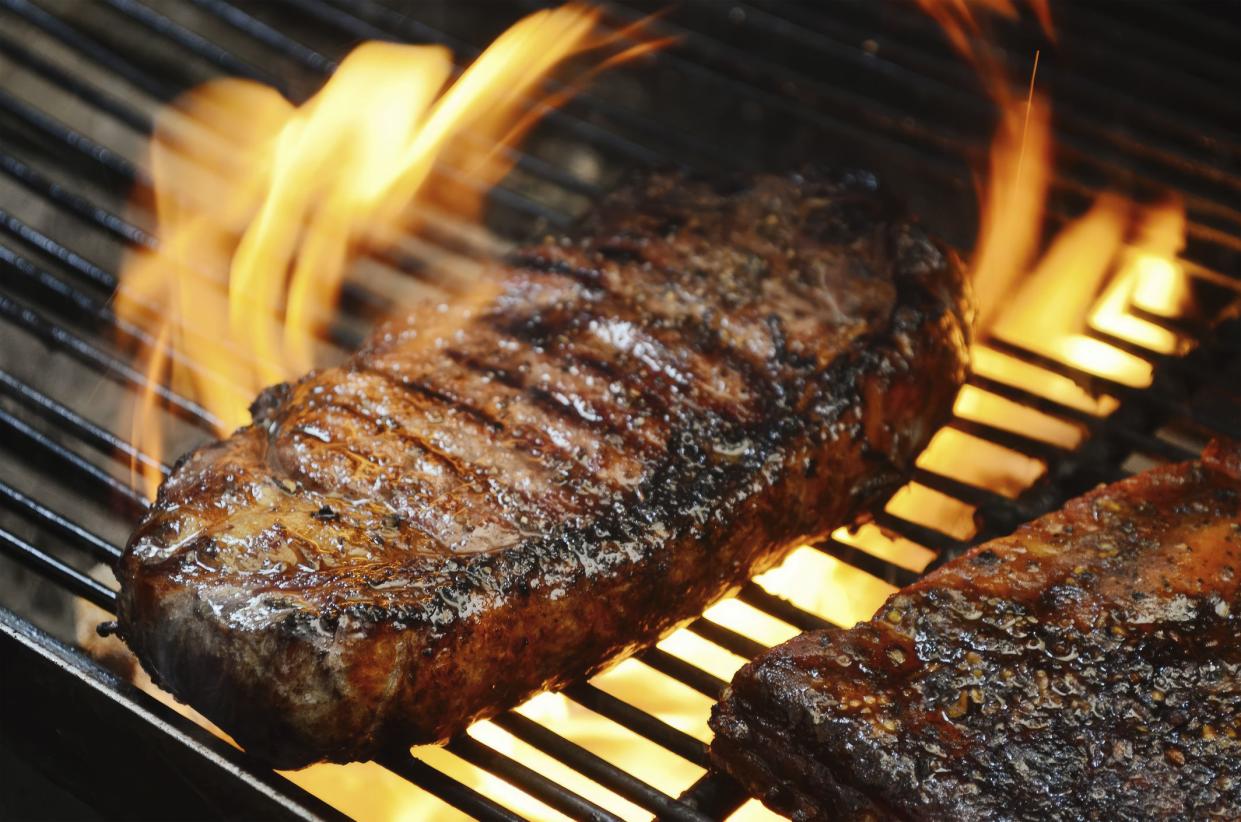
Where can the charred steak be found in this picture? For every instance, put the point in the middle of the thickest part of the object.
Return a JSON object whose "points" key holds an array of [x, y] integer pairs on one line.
{"points": [[505, 496], [1086, 667]]}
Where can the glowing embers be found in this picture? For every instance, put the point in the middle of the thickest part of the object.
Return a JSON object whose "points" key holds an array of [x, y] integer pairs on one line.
{"points": [[824, 585], [1091, 277], [980, 406]]}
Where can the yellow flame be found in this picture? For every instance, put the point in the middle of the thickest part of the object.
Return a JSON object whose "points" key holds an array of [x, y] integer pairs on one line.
{"points": [[1089, 278], [257, 232], [1019, 175]]}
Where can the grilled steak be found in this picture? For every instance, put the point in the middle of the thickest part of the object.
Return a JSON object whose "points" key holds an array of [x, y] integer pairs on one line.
{"points": [[1086, 667], [505, 496]]}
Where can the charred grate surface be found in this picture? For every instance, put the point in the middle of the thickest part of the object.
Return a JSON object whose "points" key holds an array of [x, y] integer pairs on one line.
{"points": [[1144, 103]]}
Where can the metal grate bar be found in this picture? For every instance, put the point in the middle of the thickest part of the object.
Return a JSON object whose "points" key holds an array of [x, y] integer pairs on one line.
{"points": [[1150, 398], [715, 794], [180, 762], [54, 336], [72, 83], [1096, 426], [76, 582], [756, 596], [67, 420], [89, 48], [75, 203], [934, 156], [638, 721], [37, 239], [928, 72], [1013, 441], [1119, 66], [361, 29], [50, 291], [705, 683], [34, 511], [593, 766], [43, 287], [937, 541], [529, 780], [726, 638], [191, 41], [273, 38], [957, 489], [462, 797], [889, 572], [402, 28], [1115, 36], [945, 83], [22, 436]]}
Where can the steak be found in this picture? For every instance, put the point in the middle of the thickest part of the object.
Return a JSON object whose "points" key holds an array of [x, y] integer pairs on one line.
{"points": [[1086, 667], [504, 495]]}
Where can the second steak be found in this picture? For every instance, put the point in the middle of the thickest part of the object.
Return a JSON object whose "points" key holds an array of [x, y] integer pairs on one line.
{"points": [[1086, 667]]}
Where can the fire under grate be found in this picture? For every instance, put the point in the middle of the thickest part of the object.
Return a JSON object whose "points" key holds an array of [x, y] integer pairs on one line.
{"points": [[1147, 106]]}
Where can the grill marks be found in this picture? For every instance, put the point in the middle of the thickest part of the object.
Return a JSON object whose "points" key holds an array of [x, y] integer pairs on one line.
{"points": [[587, 367], [587, 395], [386, 458]]}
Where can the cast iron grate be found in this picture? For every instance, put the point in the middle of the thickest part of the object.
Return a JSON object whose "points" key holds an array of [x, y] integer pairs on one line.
{"points": [[1147, 107]]}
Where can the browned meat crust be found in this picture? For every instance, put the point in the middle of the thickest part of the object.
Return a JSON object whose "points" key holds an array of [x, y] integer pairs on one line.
{"points": [[501, 498], [1086, 667]]}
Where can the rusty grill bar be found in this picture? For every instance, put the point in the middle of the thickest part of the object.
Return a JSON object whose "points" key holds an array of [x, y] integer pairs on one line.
{"points": [[907, 100]]}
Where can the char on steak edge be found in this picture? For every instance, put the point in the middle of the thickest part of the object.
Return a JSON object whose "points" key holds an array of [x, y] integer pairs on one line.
{"points": [[507, 495], [1086, 667]]}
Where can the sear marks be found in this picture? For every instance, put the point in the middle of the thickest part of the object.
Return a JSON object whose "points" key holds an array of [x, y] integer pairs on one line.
{"points": [[1086, 667], [506, 494]]}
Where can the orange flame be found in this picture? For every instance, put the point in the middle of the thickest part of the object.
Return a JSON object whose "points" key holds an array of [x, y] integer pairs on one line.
{"points": [[1091, 274], [257, 233], [1116, 257]]}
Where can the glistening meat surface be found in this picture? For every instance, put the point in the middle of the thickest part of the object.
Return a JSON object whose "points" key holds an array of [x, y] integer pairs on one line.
{"points": [[508, 493], [1086, 667]]}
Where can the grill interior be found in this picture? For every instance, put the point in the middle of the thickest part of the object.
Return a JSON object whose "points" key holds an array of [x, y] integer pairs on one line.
{"points": [[1145, 102]]}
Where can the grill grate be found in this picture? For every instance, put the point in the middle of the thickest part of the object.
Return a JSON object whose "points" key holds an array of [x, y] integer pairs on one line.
{"points": [[873, 83]]}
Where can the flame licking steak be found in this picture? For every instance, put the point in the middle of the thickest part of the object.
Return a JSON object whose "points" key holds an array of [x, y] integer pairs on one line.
{"points": [[1086, 667], [494, 499]]}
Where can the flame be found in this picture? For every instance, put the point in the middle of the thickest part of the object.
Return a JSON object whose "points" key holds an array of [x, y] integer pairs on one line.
{"points": [[257, 233], [1091, 276], [1018, 179], [1098, 279]]}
